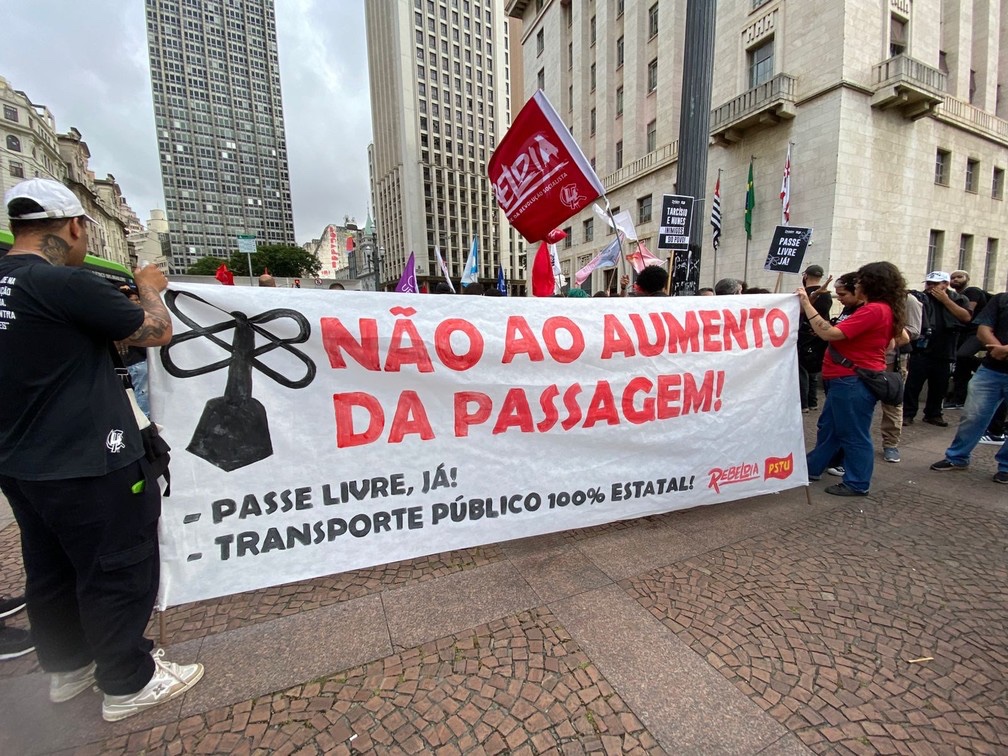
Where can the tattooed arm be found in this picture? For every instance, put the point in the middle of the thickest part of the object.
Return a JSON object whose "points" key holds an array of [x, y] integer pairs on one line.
{"points": [[156, 329]]}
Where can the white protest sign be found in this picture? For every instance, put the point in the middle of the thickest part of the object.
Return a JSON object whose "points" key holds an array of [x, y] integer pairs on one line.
{"points": [[313, 434]]}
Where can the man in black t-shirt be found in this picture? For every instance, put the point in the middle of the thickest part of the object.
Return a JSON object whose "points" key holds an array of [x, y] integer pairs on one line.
{"points": [[932, 363], [811, 348], [986, 391], [965, 366], [72, 462]]}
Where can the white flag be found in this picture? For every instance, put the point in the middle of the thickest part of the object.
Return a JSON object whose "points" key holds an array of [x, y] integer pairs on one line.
{"points": [[624, 223], [785, 190], [444, 268], [471, 272]]}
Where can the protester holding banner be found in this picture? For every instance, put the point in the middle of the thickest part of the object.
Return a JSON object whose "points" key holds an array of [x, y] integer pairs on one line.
{"points": [[72, 461], [845, 423]]}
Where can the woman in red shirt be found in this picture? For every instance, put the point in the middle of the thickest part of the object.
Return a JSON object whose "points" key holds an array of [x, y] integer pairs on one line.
{"points": [[845, 422]]}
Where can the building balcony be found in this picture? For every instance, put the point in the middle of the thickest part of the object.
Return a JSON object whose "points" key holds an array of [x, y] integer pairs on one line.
{"points": [[912, 87], [765, 105], [973, 119], [664, 155]]}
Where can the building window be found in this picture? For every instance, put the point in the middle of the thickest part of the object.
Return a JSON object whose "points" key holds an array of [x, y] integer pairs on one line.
{"points": [[568, 240], [10, 113], [541, 79], [652, 136], [942, 160], [652, 76], [897, 36], [997, 183], [591, 77], [589, 229], [972, 171], [619, 154], [644, 209], [652, 21], [965, 251], [13, 143], [591, 31], [619, 7], [16, 169], [619, 101], [540, 41], [591, 122], [761, 64], [620, 52], [936, 241], [570, 55], [990, 264]]}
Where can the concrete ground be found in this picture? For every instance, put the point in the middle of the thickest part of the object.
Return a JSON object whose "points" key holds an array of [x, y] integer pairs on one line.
{"points": [[764, 626]]}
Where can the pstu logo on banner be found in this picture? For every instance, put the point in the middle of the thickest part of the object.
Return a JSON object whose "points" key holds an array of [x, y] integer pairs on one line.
{"points": [[773, 467], [571, 196]]}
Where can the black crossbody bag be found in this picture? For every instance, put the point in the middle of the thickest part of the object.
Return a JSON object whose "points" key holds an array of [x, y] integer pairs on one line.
{"points": [[156, 449], [885, 385]]}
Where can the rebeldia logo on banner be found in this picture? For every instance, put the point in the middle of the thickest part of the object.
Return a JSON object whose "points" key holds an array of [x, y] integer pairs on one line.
{"points": [[773, 467]]}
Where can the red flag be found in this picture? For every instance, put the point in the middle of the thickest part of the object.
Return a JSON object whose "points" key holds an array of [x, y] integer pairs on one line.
{"points": [[543, 282], [540, 175], [350, 244], [224, 275]]}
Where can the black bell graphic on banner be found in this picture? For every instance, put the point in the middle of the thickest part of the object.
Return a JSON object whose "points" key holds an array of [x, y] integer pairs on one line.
{"points": [[233, 430]]}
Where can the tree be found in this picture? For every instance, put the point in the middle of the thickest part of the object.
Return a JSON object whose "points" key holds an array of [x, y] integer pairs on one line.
{"points": [[283, 260], [205, 266]]}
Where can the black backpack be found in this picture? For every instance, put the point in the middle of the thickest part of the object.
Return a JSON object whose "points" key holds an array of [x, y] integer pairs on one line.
{"points": [[929, 319]]}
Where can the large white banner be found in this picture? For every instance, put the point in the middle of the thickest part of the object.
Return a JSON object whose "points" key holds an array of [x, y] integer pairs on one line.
{"points": [[315, 432]]}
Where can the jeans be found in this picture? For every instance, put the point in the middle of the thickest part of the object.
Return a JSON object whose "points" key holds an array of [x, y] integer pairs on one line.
{"points": [[987, 390], [138, 375], [845, 424]]}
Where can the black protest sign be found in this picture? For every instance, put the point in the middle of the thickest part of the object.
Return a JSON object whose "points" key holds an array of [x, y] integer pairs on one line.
{"points": [[787, 250], [675, 222]]}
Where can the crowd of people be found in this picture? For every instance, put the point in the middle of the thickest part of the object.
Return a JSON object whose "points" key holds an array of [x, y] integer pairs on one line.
{"points": [[946, 331], [74, 468]]}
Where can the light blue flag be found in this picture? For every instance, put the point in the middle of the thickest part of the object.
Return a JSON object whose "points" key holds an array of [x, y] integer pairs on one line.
{"points": [[471, 273], [407, 283]]}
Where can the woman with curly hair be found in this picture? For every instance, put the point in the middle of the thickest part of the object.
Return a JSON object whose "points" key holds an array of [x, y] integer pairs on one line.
{"points": [[862, 338]]}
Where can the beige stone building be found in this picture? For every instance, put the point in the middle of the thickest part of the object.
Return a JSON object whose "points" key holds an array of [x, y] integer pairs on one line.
{"points": [[330, 249], [896, 113], [440, 102], [28, 146]]}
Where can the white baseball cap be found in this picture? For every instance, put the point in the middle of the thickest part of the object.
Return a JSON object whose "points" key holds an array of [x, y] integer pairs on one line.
{"points": [[937, 276], [53, 199]]}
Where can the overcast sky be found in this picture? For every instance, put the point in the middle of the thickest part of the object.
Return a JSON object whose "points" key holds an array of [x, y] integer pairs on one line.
{"points": [[87, 61]]}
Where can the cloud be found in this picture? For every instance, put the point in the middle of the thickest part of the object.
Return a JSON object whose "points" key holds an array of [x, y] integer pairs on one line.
{"points": [[91, 70]]}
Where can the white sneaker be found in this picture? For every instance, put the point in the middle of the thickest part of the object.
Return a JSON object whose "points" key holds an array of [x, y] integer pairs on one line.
{"points": [[987, 438], [170, 681], [837, 470], [66, 685]]}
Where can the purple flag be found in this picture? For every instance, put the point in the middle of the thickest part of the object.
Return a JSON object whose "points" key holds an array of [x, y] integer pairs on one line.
{"points": [[408, 282]]}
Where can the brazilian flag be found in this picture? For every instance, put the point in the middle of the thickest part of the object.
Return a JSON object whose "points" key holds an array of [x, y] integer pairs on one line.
{"points": [[750, 203]]}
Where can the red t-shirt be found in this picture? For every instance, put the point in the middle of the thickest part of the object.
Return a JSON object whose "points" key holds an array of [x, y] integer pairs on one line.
{"points": [[867, 333]]}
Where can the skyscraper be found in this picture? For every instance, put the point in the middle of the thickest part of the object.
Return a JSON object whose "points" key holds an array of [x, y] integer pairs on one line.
{"points": [[440, 102], [216, 85]]}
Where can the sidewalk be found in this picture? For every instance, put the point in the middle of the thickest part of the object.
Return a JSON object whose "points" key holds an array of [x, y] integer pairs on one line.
{"points": [[763, 626]]}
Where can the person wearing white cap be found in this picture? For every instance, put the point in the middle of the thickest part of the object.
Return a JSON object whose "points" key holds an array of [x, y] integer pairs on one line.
{"points": [[931, 363], [72, 461]]}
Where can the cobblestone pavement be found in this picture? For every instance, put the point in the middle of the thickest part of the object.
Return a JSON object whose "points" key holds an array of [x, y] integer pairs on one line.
{"points": [[874, 625]]}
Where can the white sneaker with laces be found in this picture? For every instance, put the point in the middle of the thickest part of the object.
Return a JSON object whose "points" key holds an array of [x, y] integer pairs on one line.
{"points": [[987, 438], [170, 681], [837, 471], [66, 685]]}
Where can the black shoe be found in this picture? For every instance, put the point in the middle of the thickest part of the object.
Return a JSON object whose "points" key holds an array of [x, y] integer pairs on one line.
{"points": [[938, 420], [943, 465], [907, 421], [15, 642], [11, 605], [841, 490]]}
